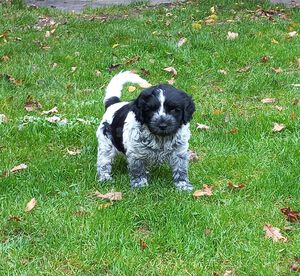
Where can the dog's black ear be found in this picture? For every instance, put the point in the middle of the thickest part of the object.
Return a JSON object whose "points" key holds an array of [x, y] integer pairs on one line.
{"points": [[139, 103], [189, 109]]}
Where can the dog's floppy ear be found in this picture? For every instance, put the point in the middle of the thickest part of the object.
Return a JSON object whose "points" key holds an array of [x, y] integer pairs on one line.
{"points": [[140, 102], [189, 109]]}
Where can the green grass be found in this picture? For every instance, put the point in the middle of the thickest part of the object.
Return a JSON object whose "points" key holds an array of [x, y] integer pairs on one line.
{"points": [[184, 236]]}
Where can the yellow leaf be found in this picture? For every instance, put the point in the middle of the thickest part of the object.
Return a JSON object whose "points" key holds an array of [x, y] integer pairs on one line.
{"points": [[274, 41], [131, 89], [196, 26], [115, 45], [30, 205]]}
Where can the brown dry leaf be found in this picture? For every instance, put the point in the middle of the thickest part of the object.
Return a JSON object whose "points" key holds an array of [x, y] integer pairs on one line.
{"points": [[171, 70], [171, 81], [206, 191], [143, 244], [115, 196], [234, 186], [244, 69], [273, 233], [18, 168], [181, 41], [291, 215], [232, 35], [5, 58], [80, 212], [202, 126], [32, 105], [30, 205], [14, 218], [278, 127], [132, 60], [145, 72], [105, 205], [268, 100], [277, 70], [265, 59], [229, 273], [193, 156], [73, 151], [53, 119], [50, 111], [3, 119], [234, 130], [131, 88]]}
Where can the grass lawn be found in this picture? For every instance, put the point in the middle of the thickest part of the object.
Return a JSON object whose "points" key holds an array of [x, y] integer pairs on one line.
{"points": [[69, 232]]}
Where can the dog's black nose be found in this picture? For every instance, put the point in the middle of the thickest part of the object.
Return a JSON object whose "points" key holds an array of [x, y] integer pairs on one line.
{"points": [[163, 125]]}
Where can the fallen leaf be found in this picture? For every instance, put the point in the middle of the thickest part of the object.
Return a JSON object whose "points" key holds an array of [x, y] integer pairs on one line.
{"points": [[80, 212], [32, 105], [30, 205], [274, 41], [278, 127], [145, 72], [143, 244], [5, 58], [206, 191], [292, 34], [223, 72], [47, 34], [202, 126], [296, 84], [3, 119], [279, 108], [232, 35], [98, 73], [18, 168], [277, 70], [105, 205], [110, 196], [196, 25], [273, 233], [229, 273], [244, 69], [53, 119], [218, 111], [295, 267], [77, 54], [113, 67], [265, 59], [182, 41], [50, 111], [234, 186], [14, 218], [268, 100], [171, 81], [73, 69], [293, 115], [145, 85], [73, 151], [115, 46], [291, 215], [193, 156], [54, 65], [132, 60], [171, 70], [234, 130], [131, 88]]}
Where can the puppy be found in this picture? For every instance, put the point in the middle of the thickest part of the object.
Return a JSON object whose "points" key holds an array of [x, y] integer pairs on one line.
{"points": [[151, 129]]}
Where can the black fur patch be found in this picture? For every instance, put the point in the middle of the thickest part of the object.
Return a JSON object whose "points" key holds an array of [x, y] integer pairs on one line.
{"points": [[118, 125], [110, 101]]}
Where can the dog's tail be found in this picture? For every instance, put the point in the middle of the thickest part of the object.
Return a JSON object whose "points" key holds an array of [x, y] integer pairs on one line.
{"points": [[115, 86]]}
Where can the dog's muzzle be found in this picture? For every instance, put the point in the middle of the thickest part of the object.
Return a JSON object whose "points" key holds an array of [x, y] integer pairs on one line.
{"points": [[163, 125]]}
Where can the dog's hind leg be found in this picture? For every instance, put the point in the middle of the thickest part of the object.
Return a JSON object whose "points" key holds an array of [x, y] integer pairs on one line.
{"points": [[106, 153]]}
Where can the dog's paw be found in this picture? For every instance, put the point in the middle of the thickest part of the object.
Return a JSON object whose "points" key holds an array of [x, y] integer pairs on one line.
{"points": [[139, 183], [184, 186]]}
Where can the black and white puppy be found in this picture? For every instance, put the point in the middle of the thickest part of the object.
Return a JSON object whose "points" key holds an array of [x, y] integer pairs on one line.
{"points": [[152, 129]]}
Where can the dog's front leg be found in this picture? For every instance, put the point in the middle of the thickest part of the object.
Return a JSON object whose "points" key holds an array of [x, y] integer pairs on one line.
{"points": [[179, 164], [138, 176]]}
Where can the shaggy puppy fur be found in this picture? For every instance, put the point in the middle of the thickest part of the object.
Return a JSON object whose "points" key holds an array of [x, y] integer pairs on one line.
{"points": [[152, 129]]}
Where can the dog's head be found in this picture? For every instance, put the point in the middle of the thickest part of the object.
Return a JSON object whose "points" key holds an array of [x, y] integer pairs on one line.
{"points": [[164, 109]]}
